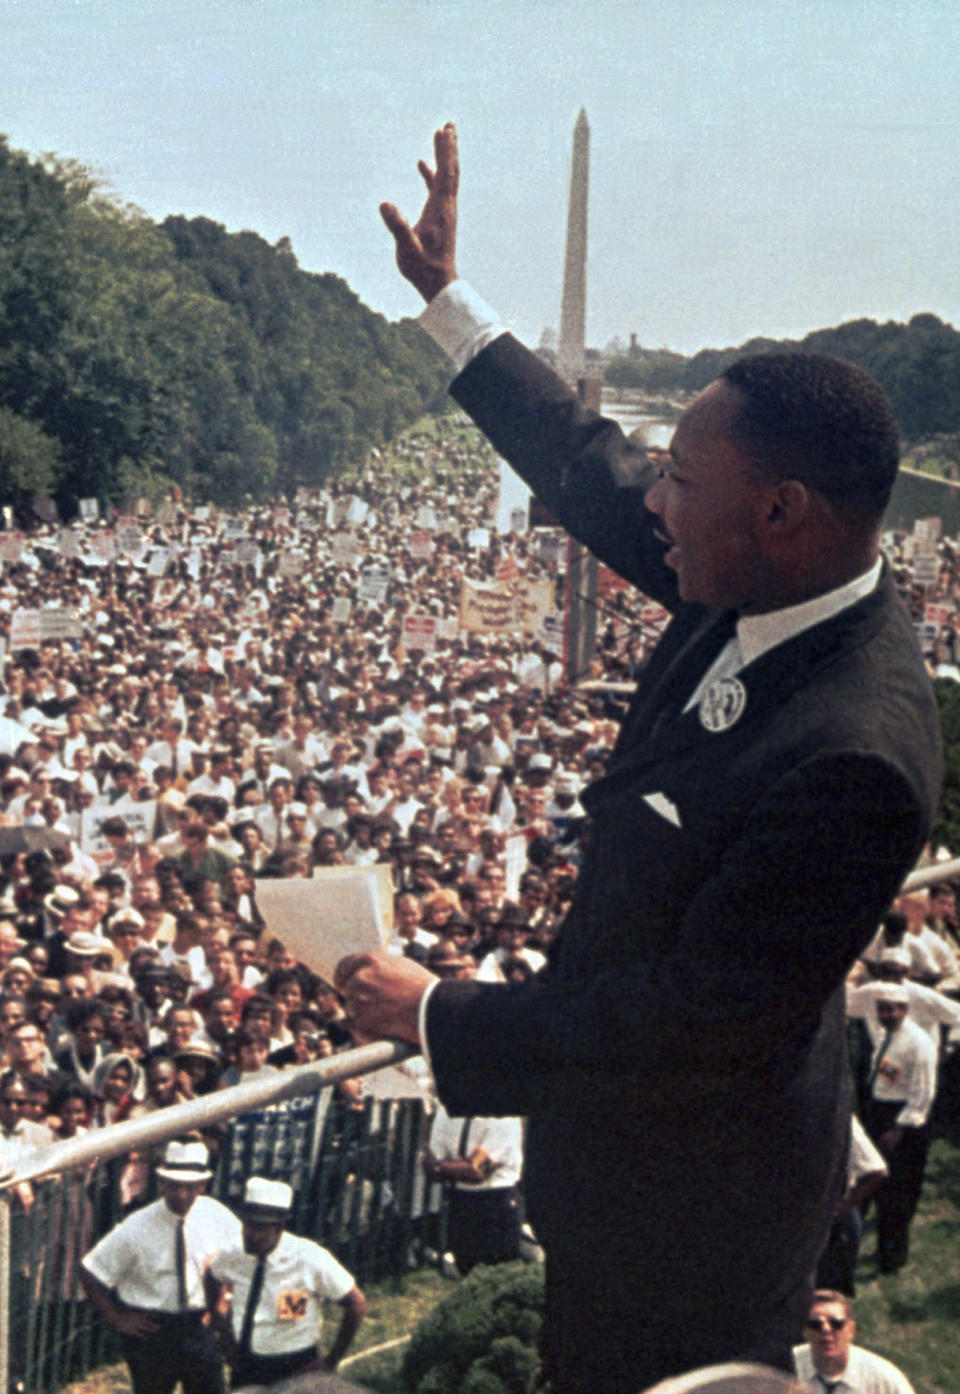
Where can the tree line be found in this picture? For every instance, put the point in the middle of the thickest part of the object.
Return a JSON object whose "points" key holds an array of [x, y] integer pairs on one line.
{"points": [[917, 364], [136, 356]]}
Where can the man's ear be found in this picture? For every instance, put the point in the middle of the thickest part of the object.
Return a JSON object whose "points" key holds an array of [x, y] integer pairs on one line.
{"points": [[789, 506]]}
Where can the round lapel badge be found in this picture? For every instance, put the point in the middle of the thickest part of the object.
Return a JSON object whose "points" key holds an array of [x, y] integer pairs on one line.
{"points": [[723, 704]]}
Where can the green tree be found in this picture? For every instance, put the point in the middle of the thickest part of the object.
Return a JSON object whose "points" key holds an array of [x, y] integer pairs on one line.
{"points": [[29, 459]]}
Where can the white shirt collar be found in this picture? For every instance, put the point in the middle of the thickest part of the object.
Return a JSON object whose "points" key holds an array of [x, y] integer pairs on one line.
{"points": [[756, 634]]}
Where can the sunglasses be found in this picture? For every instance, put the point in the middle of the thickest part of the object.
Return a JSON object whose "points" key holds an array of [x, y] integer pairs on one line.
{"points": [[825, 1323]]}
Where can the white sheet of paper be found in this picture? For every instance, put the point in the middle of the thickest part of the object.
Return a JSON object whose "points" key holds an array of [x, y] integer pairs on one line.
{"points": [[341, 910]]}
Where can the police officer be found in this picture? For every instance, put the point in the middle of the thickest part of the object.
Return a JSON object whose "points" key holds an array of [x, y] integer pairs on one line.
{"points": [[279, 1282], [146, 1278]]}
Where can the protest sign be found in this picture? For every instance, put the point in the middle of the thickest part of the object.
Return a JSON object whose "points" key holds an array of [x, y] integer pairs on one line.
{"points": [[140, 818], [421, 545], [550, 634], [343, 548], [292, 564], [340, 610], [11, 547], [103, 544], [248, 552], [31, 628], [128, 537], [159, 561], [372, 587], [69, 544], [534, 601], [926, 532], [926, 569], [485, 608], [939, 615], [420, 632], [89, 510]]}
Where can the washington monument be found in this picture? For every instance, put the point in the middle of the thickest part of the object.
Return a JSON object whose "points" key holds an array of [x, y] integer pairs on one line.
{"points": [[574, 305]]}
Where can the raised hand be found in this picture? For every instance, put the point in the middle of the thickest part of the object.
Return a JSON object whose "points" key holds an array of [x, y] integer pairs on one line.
{"points": [[426, 253]]}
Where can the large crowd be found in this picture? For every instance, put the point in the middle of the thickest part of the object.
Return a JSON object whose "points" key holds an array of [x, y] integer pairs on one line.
{"points": [[233, 702], [231, 698]]}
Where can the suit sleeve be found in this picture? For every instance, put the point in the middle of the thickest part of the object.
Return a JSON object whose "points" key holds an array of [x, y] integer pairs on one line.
{"points": [[742, 972], [578, 463]]}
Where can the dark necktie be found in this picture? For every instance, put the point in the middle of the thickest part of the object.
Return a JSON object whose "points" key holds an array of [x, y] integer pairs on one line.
{"points": [[181, 1255], [829, 1385], [671, 690], [875, 1067], [253, 1298]]}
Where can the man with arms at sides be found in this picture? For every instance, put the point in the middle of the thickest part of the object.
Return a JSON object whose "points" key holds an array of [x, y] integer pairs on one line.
{"points": [[831, 1364], [683, 1064]]}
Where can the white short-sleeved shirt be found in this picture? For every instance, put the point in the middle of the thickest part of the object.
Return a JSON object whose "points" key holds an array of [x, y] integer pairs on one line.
{"points": [[137, 1259], [298, 1276], [500, 1138], [866, 1373], [907, 1072], [864, 1159]]}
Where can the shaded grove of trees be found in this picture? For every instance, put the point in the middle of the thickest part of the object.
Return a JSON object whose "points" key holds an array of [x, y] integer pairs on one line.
{"points": [[918, 364], [136, 356]]}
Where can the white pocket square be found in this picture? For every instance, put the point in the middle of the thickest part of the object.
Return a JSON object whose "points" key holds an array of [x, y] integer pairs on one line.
{"points": [[662, 805]]}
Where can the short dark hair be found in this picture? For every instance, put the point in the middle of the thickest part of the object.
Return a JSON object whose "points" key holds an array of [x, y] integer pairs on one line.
{"points": [[820, 420]]}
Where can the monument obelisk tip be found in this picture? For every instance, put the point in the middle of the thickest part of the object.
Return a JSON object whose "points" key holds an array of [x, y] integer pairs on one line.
{"points": [[573, 310]]}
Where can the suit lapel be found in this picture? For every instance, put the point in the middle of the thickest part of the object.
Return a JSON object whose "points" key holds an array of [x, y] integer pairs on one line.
{"points": [[768, 682], [668, 680]]}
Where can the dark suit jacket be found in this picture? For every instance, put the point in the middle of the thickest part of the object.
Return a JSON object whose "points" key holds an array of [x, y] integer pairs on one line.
{"points": [[684, 1066]]}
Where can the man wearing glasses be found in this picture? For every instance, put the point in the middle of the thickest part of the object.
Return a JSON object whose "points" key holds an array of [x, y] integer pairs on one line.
{"points": [[830, 1361]]}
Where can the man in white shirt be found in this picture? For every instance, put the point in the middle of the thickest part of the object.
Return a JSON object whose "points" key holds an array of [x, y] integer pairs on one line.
{"points": [[901, 1089], [146, 1278], [929, 1008], [279, 1282], [479, 1160], [831, 1364]]}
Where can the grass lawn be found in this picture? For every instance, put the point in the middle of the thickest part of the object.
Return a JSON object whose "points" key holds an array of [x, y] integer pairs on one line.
{"points": [[912, 1318]]}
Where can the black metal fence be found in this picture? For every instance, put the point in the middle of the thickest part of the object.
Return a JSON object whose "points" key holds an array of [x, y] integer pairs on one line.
{"points": [[359, 1192]]}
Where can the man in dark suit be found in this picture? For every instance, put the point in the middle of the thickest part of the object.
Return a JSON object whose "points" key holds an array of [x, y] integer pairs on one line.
{"points": [[683, 1063]]}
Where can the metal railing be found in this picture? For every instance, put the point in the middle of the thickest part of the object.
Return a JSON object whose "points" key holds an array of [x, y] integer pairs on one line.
{"points": [[355, 1172]]}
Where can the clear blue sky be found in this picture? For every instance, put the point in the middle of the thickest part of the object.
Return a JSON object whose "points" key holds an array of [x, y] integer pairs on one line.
{"points": [[758, 166]]}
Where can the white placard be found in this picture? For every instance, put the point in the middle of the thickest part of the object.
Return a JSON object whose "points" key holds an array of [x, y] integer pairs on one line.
{"points": [[248, 552], [420, 632], [139, 817], [11, 547], [343, 548], [372, 586], [30, 628], [292, 564], [421, 545]]}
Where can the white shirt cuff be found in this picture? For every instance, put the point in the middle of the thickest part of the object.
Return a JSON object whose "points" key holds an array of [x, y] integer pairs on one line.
{"points": [[422, 1022], [461, 322]]}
